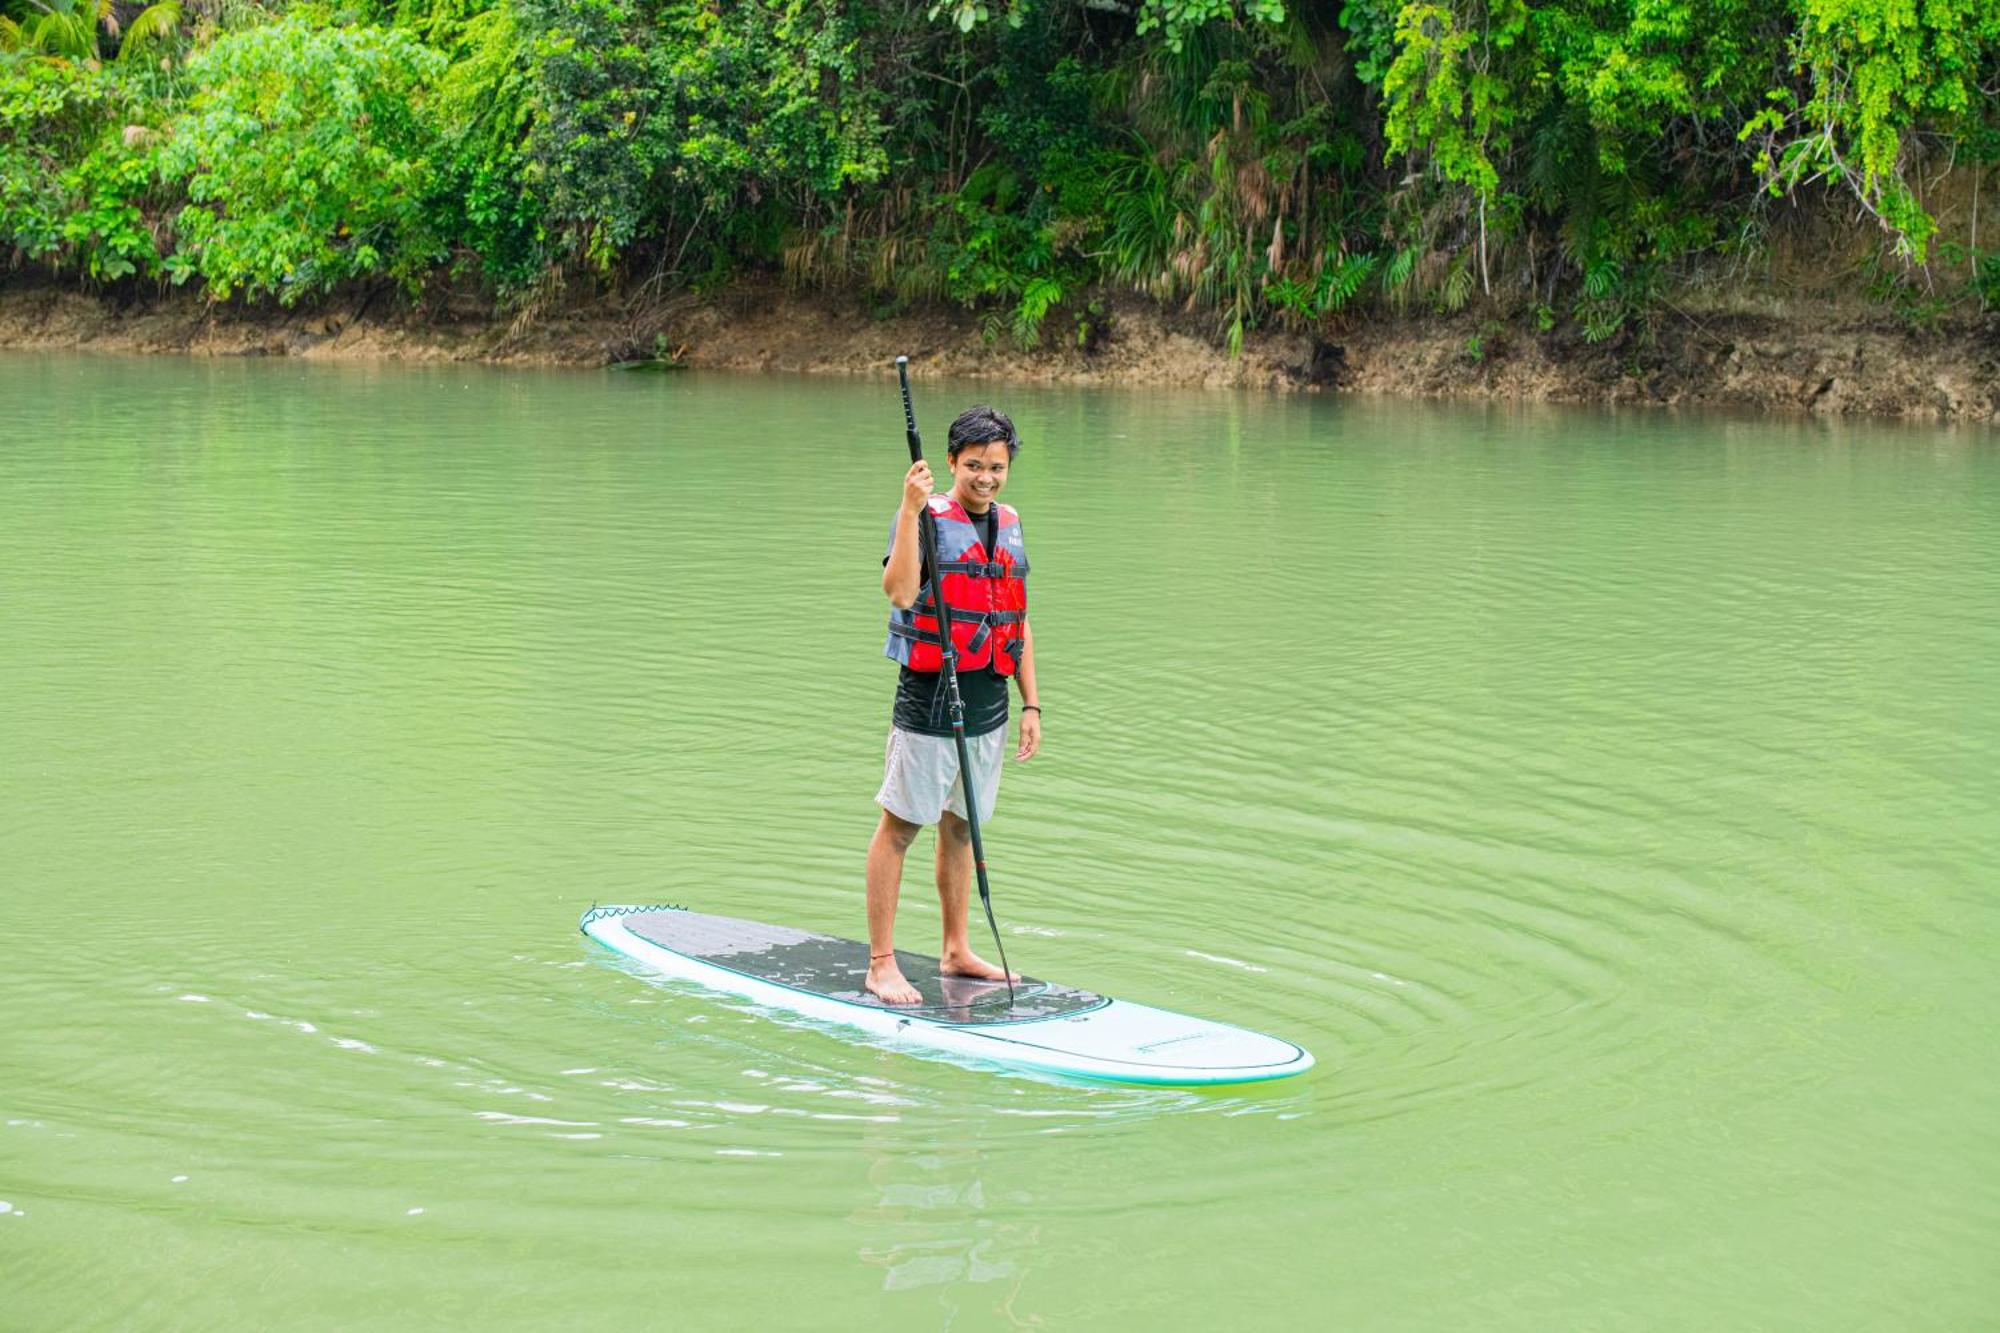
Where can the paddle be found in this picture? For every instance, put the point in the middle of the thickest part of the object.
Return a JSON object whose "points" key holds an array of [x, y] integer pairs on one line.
{"points": [[933, 557]]}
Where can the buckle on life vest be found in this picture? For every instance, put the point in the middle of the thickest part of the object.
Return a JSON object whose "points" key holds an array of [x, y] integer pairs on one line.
{"points": [[978, 569]]}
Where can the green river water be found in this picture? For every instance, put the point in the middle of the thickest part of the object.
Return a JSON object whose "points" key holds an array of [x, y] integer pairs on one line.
{"points": [[1607, 801]]}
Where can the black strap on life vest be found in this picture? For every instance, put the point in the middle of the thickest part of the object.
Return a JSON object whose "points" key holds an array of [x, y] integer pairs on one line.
{"points": [[983, 626], [985, 569]]}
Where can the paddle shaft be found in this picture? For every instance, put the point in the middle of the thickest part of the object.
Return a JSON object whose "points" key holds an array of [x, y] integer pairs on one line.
{"points": [[932, 558]]}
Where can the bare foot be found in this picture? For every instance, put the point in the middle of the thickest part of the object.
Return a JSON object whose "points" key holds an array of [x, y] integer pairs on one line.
{"points": [[965, 963], [887, 983]]}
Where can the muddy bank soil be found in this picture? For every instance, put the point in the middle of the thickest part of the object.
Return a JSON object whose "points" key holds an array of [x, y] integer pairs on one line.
{"points": [[1820, 360]]}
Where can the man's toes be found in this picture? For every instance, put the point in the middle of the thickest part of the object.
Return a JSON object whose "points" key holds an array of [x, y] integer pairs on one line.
{"points": [[897, 992]]}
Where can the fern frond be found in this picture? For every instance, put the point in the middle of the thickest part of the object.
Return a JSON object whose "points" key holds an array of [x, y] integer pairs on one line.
{"points": [[1341, 283], [1456, 289], [1400, 268], [1600, 277]]}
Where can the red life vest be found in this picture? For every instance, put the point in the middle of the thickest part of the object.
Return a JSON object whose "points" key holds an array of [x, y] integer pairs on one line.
{"points": [[987, 592]]}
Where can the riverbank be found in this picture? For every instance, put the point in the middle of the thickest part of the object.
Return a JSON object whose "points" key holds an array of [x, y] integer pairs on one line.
{"points": [[1828, 360]]}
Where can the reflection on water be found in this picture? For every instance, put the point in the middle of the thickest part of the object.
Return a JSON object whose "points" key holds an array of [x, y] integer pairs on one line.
{"points": [[1604, 800], [941, 1220]]}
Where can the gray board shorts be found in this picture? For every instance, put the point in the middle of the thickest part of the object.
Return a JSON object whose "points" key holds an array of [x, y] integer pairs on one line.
{"points": [[920, 775]]}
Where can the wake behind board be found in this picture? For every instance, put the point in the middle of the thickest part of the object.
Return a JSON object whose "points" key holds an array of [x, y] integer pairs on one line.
{"points": [[1048, 1028]]}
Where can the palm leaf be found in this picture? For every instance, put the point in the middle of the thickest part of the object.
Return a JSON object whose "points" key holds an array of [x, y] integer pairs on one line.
{"points": [[65, 32], [155, 24]]}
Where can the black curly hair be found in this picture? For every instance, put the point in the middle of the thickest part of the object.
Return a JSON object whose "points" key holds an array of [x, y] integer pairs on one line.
{"points": [[982, 425]]}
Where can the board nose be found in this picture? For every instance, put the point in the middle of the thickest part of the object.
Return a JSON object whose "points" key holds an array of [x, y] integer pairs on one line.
{"points": [[1233, 1047], [1205, 1051]]}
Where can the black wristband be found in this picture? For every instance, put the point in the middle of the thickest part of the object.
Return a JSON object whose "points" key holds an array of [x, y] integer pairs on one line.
{"points": [[1036, 707]]}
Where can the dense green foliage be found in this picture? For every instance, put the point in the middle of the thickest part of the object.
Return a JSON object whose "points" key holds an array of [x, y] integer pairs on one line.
{"points": [[1270, 163], [304, 152]]}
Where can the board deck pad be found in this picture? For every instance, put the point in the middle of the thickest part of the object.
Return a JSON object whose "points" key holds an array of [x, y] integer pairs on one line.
{"points": [[828, 965]]}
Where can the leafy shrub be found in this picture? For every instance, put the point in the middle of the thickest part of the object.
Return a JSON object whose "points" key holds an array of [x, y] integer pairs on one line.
{"points": [[106, 231], [72, 189], [305, 154]]}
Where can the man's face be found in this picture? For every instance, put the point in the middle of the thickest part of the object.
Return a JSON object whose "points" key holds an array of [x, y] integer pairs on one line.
{"points": [[978, 473]]}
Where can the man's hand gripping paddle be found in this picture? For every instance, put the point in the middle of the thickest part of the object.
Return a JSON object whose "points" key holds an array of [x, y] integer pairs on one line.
{"points": [[932, 558]]}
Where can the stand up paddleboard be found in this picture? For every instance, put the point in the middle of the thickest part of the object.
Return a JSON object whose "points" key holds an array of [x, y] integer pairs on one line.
{"points": [[1049, 1028]]}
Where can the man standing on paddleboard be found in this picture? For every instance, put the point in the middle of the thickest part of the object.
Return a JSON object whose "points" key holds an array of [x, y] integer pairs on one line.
{"points": [[985, 584]]}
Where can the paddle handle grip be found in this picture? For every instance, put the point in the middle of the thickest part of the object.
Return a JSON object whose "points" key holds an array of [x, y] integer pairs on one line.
{"points": [[915, 440]]}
